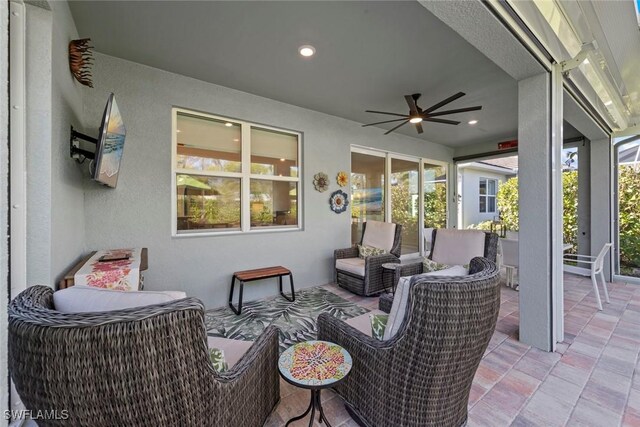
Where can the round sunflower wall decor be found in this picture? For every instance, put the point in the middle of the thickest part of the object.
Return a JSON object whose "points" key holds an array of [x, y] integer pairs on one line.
{"points": [[342, 178], [321, 181], [339, 201]]}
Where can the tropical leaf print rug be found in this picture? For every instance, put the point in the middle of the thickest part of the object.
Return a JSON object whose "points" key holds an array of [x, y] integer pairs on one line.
{"points": [[296, 320]]}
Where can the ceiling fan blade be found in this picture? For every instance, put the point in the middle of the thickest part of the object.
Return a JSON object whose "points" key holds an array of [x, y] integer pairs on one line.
{"points": [[459, 110], [448, 122], [419, 127], [384, 112], [401, 124], [379, 123], [411, 102], [444, 102]]}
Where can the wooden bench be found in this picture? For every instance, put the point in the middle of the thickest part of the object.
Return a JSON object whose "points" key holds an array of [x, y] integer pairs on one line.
{"points": [[259, 274]]}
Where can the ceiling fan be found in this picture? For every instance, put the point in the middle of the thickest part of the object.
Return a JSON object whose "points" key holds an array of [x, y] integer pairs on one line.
{"points": [[417, 115]]}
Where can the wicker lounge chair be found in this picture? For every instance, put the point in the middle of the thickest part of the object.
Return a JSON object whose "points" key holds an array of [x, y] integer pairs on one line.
{"points": [[364, 276], [422, 376], [144, 366]]}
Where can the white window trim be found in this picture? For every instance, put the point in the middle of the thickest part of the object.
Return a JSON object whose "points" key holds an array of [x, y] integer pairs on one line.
{"points": [[487, 196], [245, 178]]}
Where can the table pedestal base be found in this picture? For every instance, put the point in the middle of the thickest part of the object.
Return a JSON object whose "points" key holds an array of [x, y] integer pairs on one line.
{"points": [[313, 405]]}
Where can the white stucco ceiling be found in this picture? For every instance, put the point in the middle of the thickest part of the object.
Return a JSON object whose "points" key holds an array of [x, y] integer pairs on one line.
{"points": [[369, 54]]}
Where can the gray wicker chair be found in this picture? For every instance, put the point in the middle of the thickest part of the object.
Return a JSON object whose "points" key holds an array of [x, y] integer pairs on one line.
{"points": [[144, 366], [372, 282], [423, 375], [411, 269]]}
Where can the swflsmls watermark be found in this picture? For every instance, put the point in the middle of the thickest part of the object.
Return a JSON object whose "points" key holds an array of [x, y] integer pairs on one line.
{"points": [[28, 414]]}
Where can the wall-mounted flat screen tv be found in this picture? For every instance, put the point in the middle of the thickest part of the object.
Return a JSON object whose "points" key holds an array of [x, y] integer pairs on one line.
{"points": [[110, 145]]}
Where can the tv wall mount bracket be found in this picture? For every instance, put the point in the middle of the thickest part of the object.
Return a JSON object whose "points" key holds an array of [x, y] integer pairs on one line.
{"points": [[76, 152]]}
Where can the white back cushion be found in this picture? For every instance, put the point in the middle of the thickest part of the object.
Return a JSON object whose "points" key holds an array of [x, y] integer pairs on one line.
{"points": [[398, 308], [457, 247], [81, 299], [379, 235], [400, 304]]}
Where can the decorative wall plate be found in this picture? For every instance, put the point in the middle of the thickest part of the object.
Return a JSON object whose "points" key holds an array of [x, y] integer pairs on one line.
{"points": [[321, 182], [339, 201], [342, 178]]}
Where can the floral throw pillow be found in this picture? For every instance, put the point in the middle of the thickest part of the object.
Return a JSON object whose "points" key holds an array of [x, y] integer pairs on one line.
{"points": [[217, 359], [429, 266], [378, 325], [365, 251]]}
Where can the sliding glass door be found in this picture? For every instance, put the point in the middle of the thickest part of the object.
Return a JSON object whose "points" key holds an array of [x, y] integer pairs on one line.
{"points": [[405, 199], [406, 190], [367, 190], [435, 196]]}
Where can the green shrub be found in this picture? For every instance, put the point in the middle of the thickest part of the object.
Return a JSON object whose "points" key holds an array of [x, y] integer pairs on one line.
{"points": [[507, 200], [484, 225], [629, 208]]}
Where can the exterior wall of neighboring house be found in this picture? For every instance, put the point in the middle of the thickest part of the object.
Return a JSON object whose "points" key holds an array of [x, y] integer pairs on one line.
{"points": [[469, 202]]}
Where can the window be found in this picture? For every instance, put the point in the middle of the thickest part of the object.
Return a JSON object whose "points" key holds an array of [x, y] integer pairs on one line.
{"points": [[231, 175], [488, 190]]}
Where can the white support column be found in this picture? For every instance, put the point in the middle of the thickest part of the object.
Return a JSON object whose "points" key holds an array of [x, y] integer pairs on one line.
{"points": [[540, 206], [557, 208], [601, 191]]}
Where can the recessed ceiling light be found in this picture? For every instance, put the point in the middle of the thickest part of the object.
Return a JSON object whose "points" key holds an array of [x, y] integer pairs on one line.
{"points": [[307, 50], [228, 124], [473, 122], [236, 140], [415, 119], [178, 130], [608, 103], [282, 160]]}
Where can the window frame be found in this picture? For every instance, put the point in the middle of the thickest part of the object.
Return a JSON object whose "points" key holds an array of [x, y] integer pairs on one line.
{"points": [[245, 176], [487, 196]]}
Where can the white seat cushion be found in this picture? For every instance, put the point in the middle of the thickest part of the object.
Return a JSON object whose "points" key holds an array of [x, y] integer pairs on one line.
{"points": [[401, 298], [458, 247], [351, 265], [85, 299], [363, 322], [233, 349], [379, 235]]}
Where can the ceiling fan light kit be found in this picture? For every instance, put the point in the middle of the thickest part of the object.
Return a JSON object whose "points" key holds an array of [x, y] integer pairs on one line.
{"points": [[417, 115]]}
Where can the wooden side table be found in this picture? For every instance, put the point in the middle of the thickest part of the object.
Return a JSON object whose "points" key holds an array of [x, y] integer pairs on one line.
{"points": [[68, 280], [259, 274]]}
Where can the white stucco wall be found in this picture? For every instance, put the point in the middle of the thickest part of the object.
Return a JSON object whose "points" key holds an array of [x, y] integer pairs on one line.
{"points": [[138, 212], [470, 195], [67, 193], [38, 143], [55, 196], [4, 203]]}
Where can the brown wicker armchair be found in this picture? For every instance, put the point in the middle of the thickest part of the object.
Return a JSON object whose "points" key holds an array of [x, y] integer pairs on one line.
{"points": [[423, 375], [144, 366], [366, 278]]}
